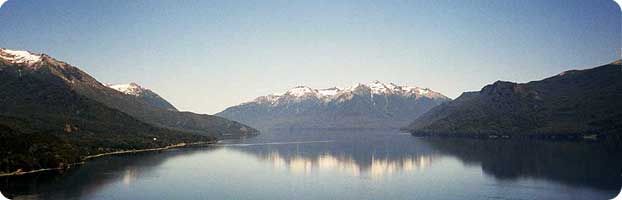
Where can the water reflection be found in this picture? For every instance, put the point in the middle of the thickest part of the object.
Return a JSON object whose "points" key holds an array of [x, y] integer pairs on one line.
{"points": [[593, 164], [88, 179], [324, 163], [367, 154], [130, 175], [378, 154], [376, 168]]}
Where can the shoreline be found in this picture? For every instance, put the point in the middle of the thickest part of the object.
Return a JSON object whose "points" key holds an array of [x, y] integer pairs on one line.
{"points": [[545, 137], [86, 158]]}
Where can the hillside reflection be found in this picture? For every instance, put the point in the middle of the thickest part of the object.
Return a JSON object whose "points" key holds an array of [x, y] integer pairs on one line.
{"points": [[593, 164], [87, 179]]}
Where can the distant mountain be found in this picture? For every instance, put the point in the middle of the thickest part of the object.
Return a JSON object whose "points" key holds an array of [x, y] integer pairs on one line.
{"points": [[372, 105], [45, 122], [145, 94], [573, 103]]}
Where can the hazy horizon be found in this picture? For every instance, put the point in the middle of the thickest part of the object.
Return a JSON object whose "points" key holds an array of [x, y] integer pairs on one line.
{"points": [[206, 56]]}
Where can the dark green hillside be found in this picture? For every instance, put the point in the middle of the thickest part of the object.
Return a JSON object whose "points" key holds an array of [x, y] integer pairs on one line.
{"points": [[87, 86], [574, 103], [44, 123]]}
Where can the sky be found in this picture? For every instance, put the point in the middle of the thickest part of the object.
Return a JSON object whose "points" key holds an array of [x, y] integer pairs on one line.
{"points": [[204, 56]]}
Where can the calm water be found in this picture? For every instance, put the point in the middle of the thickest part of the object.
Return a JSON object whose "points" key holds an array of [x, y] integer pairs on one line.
{"points": [[341, 165]]}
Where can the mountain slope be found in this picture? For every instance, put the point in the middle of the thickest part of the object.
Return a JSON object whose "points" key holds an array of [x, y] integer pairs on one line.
{"points": [[145, 94], [181, 121], [577, 102], [85, 85], [45, 123], [372, 105]]}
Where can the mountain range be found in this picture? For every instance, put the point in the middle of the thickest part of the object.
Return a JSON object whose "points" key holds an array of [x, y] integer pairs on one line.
{"points": [[576, 103], [375, 105], [53, 114]]}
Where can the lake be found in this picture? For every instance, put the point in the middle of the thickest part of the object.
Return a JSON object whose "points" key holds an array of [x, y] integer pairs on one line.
{"points": [[341, 165]]}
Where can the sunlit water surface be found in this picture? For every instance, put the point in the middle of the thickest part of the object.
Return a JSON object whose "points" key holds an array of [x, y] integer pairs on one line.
{"points": [[341, 165]]}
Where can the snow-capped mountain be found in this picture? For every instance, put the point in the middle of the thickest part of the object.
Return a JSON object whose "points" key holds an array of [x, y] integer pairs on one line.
{"points": [[370, 105], [138, 91], [31, 61], [46, 83], [375, 88], [68, 115]]}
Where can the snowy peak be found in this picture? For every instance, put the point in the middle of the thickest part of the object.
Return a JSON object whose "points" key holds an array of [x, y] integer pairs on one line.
{"points": [[19, 57], [129, 89], [145, 94], [300, 91], [304, 91], [380, 88], [329, 91], [377, 87]]}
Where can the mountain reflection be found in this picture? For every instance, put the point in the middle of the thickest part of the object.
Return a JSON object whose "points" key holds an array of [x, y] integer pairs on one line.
{"points": [[593, 164], [129, 176], [372, 156], [376, 168]]}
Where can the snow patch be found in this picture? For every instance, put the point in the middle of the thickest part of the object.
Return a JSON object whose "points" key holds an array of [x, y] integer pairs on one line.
{"points": [[329, 91], [301, 91], [129, 89], [19, 57], [378, 87]]}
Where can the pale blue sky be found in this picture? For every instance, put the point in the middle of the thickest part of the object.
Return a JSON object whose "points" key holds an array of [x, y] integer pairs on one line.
{"points": [[204, 56]]}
